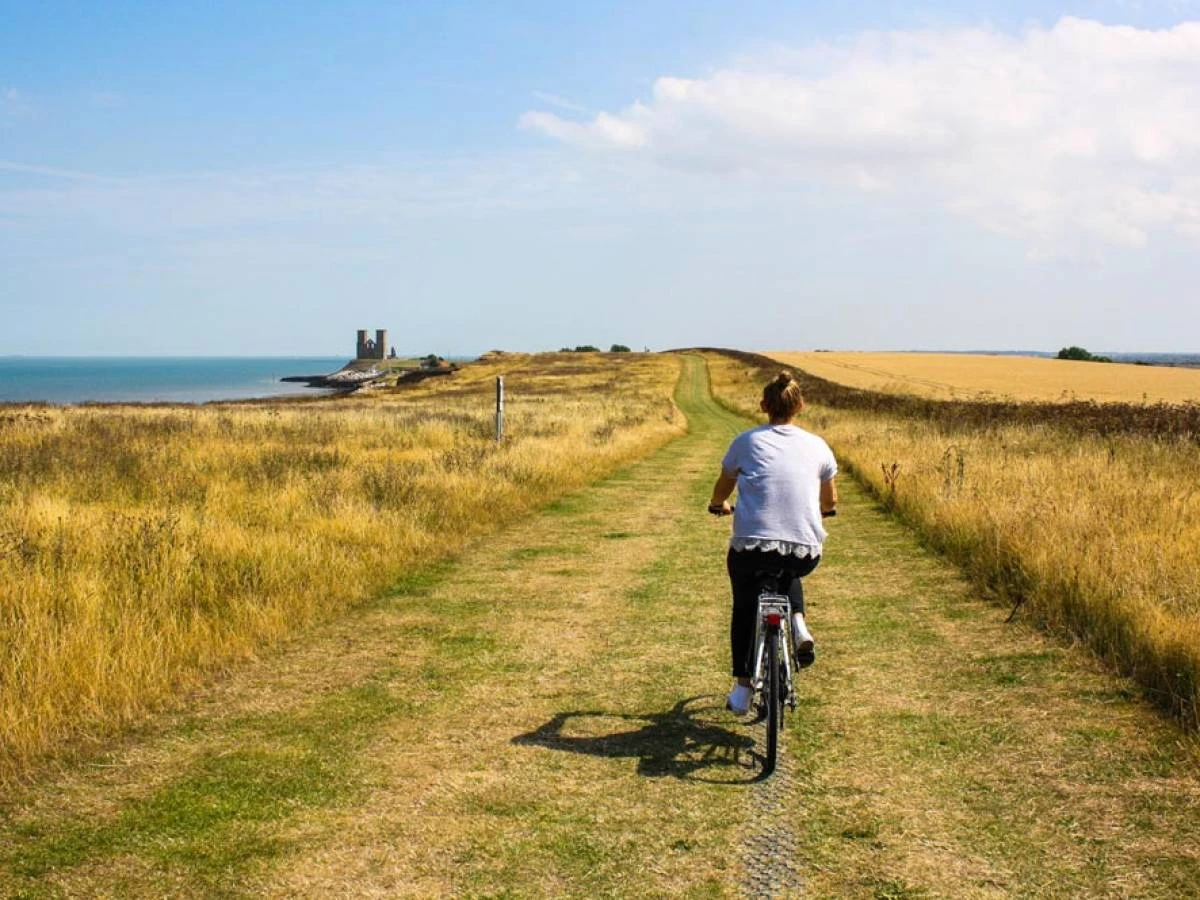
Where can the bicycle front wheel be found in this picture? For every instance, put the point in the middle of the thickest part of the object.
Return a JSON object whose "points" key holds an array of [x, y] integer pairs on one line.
{"points": [[773, 690]]}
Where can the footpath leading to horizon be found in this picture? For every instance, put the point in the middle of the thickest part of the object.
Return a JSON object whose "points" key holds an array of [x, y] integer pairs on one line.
{"points": [[543, 717]]}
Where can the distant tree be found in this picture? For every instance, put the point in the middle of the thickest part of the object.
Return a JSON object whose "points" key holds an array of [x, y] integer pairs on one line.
{"points": [[618, 348], [587, 348], [1081, 354]]}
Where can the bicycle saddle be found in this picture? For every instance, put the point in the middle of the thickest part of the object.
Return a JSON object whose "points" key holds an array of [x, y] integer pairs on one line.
{"points": [[774, 580]]}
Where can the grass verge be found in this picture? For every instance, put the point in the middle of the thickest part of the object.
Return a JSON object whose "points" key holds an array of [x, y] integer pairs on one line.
{"points": [[1095, 536], [550, 724], [142, 548]]}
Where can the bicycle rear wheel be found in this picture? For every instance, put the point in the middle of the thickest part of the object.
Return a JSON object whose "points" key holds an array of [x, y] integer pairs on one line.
{"points": [[773, 698]]}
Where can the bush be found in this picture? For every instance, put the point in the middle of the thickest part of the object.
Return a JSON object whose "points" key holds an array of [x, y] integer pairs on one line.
{"points": [[1080, 353], [618, 348]]}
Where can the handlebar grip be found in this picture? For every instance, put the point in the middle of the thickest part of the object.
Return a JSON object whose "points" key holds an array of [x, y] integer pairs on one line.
{"points": [[829, 514]]}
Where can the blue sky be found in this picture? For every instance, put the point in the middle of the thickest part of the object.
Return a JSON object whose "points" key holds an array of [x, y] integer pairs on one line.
{"points": [[266, 178]]}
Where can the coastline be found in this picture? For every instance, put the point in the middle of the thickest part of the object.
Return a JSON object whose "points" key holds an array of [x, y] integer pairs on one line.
{"points": [[361, 373], [176, 381], [197, 381]]}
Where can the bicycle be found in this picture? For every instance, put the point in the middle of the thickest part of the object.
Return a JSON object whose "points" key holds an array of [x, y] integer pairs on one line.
{"points": [[772, 678]]}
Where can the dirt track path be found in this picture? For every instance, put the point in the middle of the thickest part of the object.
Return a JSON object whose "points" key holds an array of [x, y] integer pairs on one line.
{"points": [[542, 717]]}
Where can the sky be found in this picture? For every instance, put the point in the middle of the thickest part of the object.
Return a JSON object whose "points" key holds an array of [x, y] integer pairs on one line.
{"points": [[265, 178]]}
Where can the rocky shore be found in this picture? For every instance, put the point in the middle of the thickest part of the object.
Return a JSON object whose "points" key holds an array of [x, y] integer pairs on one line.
{"points": [[362, 373]]}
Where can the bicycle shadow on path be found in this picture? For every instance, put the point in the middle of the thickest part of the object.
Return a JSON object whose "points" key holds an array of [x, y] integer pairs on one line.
{"points": [[692, 740]]}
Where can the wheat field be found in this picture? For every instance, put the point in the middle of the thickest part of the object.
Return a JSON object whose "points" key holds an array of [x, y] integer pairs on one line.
{"points": [[143, 548], [965, 376], [1096, 536]]}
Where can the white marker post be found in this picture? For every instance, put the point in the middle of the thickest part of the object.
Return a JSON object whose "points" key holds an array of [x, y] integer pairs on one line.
{"points": [[499, 407]]}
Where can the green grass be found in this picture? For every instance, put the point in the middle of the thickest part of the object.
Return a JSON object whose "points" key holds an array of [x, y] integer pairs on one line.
{"points": [[213, 818]]}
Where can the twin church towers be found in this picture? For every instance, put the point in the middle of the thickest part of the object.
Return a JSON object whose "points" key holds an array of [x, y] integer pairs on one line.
{"points": [[374, 349]]}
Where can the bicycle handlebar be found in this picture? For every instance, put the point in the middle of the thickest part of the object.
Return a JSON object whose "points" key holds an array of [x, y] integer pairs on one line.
{"points": [[825, 513]]}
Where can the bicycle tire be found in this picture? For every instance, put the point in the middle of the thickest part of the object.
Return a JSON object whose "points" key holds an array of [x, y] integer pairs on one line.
{"points": [[773, 688]]}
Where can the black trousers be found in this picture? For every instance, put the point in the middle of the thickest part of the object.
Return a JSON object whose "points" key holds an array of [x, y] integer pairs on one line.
{"points": [[744, 565]]}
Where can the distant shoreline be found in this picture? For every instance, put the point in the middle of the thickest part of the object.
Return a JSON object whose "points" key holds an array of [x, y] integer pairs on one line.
{"points": [[71, 381], [192, 381]]}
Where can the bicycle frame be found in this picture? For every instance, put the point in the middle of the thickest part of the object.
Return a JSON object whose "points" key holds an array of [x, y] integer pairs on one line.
{"points": [[773, 617]]}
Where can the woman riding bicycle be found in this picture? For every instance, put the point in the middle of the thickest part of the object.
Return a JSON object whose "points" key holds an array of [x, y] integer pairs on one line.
{"points": [[784, 477]]}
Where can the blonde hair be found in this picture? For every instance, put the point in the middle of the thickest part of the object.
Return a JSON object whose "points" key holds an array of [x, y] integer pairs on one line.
{"points": [[781, 399]]}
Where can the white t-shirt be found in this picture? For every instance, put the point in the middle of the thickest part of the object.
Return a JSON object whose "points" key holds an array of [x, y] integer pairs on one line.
{"points": [[779, 471]]}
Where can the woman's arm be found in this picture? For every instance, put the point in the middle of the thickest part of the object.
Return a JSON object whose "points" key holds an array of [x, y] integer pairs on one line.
{"points": [[720, 493], [828, 496]]}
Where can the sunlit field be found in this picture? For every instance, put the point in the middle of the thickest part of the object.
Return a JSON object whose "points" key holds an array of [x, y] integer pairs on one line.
{"points": [[970, 377], [141, 548], [1097, 536]]}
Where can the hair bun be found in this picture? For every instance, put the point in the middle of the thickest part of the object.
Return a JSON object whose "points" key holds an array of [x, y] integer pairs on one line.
{"points": [[782, 397]]}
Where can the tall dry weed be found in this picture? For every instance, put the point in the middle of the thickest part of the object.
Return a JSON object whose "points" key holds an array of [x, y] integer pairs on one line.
{"points": [[141, 548], [1095, 535]]}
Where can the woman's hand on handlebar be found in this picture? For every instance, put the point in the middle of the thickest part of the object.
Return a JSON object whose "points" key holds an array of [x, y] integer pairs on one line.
{"points": [[721, 509]]}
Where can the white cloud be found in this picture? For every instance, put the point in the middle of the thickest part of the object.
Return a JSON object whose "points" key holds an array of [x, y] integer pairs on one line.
{"points": [[560, 102], [603, 131], [1082, 131]]}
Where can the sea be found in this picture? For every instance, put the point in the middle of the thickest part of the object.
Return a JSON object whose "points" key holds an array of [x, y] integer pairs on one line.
{"points": [[74, 379]]}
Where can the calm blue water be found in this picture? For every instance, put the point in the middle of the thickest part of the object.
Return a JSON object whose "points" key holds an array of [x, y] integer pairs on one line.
{"points": [[146, 379]]}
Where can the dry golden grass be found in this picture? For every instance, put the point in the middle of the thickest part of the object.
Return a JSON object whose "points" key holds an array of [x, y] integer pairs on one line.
{"points": [[405, 748], [1099, 535], [142, 547], [482, 796], [543, 718], [951, 754], [970, 377]]}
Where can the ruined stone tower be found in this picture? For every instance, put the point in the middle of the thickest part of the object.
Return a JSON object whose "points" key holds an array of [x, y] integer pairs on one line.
{"points": [[368, 349]]}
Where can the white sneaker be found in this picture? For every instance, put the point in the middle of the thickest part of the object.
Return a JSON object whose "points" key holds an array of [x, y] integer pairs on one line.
{"points": [[806, 653], [738, 701]]}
